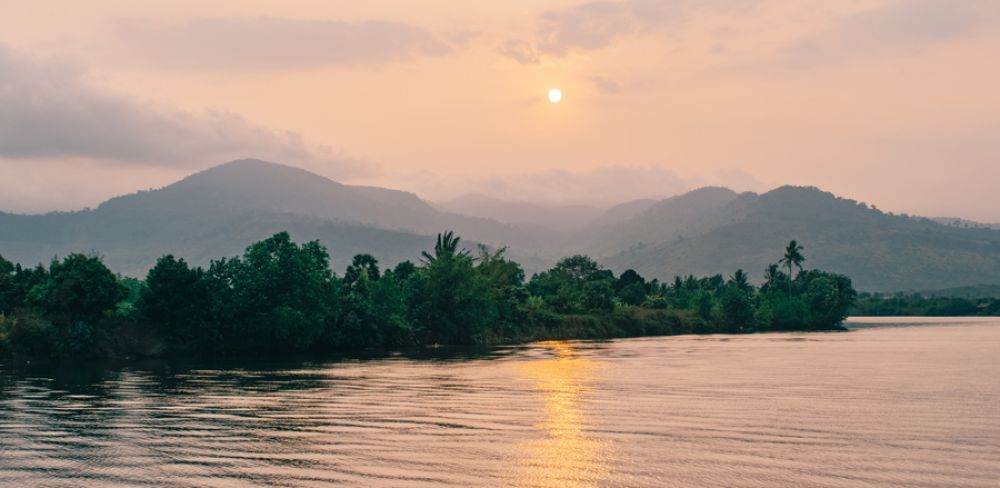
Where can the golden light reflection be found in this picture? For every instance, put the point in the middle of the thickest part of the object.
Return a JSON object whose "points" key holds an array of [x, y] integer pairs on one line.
{"points": [[565, 455]]}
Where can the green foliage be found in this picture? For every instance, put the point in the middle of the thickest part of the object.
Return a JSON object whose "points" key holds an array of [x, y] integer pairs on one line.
{"points": [[9, 298], [576, 284], [813, 300], [78, 289], [917, 304], [175, 300], [450, 303], [27, 334], [736, 308], [281, 297]]}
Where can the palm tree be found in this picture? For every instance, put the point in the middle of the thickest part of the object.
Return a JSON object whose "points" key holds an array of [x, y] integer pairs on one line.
{"points": [[446, 247], [772, 275], [793, 257], [740, 281]]}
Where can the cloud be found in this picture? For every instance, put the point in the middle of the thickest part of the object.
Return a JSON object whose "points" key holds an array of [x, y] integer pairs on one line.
{"points": [[903, 25], [605, 85], [50, 110], [269, 43], [607, 184], [595, 25], [601, 186], [521, 51]]}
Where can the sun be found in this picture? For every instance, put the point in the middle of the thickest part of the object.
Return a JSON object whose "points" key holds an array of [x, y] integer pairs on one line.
{"points": [[555, 95]]}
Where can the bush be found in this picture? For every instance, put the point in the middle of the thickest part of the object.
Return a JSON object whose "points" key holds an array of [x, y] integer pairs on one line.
{"points": [[27, 334]]}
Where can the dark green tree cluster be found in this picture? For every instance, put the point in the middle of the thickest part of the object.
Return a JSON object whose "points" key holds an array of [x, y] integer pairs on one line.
{"points": [[68, 308], [919, 305], [282, 297]]}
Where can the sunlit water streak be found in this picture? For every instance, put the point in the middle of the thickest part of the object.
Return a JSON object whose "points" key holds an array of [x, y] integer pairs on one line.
{"points": [[883, 406]]}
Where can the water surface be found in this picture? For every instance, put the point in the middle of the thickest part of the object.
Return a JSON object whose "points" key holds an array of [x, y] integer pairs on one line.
{"points": [[882, 405]]}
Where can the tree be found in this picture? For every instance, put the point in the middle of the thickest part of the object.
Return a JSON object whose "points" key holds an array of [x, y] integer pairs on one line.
{"points": [[8, 291], [77, 294], [793, 257], [80, 288], [736, 302], [741, 282], [445, 247], [362, 264], [571, 285], [773, 278], [704, 304], [631, 288], [404, 270], [176, 300], [505, 280], [450, 303], [279, 296], [827, 296]]}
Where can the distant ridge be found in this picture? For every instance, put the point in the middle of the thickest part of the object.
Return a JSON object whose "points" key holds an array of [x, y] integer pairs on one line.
{"points": [[881, 252], [218, 211]]}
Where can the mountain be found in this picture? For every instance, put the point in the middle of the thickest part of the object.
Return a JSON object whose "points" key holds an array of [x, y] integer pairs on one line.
{"points": [[881, 252], [958, 222], [260, 186], [219, 211], [673, 218], [622, 212], [523, 214]]}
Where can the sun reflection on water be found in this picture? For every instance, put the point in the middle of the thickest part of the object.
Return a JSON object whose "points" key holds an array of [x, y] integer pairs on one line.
{"points": [[565, 455]]}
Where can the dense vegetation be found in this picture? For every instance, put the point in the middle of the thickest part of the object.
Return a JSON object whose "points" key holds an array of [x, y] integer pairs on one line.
{"points": [[921, 305], [283, 297]]}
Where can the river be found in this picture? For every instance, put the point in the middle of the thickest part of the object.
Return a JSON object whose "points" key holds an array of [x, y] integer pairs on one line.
{"points": [[893, 402]]}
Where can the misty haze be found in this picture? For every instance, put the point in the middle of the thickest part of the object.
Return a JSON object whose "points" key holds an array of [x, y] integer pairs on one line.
{"points": [[739, 243]]}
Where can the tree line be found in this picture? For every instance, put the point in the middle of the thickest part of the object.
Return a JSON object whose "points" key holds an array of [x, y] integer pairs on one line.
{"points": [[919, 305], [282, 297]]}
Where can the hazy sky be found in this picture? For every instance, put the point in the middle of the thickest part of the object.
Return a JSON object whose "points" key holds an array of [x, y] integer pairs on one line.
{"points": [[894, 102]]}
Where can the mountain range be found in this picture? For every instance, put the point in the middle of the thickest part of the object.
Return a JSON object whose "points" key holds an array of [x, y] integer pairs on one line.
{"points": [[219, 211]]}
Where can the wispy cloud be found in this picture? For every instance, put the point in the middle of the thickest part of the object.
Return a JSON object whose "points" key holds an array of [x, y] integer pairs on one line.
{"points": [[595, 25], [50, 109], [899, 26], [603, 185], [269, 43]]}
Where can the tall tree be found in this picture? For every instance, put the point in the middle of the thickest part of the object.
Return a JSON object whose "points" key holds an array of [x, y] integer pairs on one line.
{"points": [[451, 303], [362, 264], [176, 300], [80, 288], [446, 246], [740, 281], [793, 257], [8, 291]]}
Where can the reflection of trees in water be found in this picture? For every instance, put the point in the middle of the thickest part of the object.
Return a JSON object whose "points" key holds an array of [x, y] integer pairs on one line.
{"points": [[565, 455]]}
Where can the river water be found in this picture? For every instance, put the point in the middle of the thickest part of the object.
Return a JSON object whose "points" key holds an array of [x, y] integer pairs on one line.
{"points": [[891, 403]]}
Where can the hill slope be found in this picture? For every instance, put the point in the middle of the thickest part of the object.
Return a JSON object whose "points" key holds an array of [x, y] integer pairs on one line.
{"points": [[881, 252], [523, 214], [219, 211]]}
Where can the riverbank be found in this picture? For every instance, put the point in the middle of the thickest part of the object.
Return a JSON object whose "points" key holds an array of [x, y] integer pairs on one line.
{"points": [[281, 297], [136, 341]]}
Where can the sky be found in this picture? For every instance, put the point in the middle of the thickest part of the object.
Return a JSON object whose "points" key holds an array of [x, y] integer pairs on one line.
{"points": [[891, 102]]}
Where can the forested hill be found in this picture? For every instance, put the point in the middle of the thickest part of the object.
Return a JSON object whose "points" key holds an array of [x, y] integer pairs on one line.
{"points": [[880, 251], [217, 212]]}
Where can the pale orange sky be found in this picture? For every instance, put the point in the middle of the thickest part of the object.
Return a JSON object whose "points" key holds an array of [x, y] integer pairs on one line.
{"points": [[893, 102]]}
